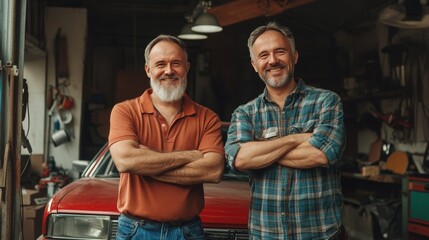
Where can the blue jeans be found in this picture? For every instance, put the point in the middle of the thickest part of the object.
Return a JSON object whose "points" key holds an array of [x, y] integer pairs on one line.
{"points": [[133, 229]]}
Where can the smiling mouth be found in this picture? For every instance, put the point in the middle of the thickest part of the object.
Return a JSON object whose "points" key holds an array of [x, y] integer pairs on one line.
{"points": [[174, 78], [277, 69]]}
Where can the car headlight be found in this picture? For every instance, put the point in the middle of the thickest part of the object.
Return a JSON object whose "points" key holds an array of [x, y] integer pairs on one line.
{"points": [[73, 226]]}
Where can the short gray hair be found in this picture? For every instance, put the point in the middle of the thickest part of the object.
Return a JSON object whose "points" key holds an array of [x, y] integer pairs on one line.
{"points": [[270, 26], [164, 37]]}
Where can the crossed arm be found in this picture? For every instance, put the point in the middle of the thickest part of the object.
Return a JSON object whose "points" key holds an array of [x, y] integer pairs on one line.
{"points": [[179, 167], [290, 151]]}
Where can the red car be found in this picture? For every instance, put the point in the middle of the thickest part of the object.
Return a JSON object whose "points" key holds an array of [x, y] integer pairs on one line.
{"points": [[86, 208]]}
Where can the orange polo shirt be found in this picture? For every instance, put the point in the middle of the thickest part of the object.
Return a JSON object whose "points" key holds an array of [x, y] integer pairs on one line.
{"points": [[196, 127]]}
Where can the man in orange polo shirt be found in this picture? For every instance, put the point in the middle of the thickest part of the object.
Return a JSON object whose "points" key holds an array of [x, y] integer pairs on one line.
{"points": [[165, 147]]}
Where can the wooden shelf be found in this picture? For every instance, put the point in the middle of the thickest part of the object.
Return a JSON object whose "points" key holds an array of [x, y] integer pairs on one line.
{"points": [[382, 178], [391, 93]]}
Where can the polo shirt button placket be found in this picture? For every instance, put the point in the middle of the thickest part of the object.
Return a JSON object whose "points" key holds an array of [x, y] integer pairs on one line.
{"points": [[164, 130]]}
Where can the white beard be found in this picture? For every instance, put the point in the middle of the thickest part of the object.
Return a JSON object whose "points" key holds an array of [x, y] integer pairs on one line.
{"points": [[168, 94]]}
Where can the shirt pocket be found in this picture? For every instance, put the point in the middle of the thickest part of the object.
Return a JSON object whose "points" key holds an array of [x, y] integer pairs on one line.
{"points": [[267, 134], [303, 127]]}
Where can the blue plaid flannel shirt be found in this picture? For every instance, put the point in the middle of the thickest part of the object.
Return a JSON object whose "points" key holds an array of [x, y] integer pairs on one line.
{"points": [[288, 203]]}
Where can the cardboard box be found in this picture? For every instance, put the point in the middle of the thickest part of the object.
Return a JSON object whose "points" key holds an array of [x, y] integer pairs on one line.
{"points": [[37, 164], [370, 171], [29, 196], [32, 222]]}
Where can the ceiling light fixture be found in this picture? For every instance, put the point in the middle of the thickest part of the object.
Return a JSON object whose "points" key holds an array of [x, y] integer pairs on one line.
{"points": [[206, 22], [188, 34]]}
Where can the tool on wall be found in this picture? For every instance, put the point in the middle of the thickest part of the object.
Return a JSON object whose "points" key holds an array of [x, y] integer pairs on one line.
{"points": [[394, 120], [61, 119], [400, 120], [60, 102], [25, 142], [61, 60]]}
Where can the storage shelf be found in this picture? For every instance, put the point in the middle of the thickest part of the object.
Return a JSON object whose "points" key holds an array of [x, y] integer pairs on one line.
{"points": [[382, 178], [367, 190], [391, 93]]}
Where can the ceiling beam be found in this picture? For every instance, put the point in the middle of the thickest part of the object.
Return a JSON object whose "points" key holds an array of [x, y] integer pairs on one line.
{"points": [[242, 10]]}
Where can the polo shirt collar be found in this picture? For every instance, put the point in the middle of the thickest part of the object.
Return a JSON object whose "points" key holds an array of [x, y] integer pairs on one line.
{"points": [[188, 107], [299, 89]]}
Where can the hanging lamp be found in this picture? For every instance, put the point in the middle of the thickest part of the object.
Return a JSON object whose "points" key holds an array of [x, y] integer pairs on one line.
{"points": [[188, 34], [206, 22]]}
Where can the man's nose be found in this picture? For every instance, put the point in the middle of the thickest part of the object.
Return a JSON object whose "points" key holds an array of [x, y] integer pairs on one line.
{"points": [[272, 59], [168, 69]]}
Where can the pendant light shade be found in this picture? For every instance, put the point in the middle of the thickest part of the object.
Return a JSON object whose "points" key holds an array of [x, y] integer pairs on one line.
{"points": [[188, 34], [206, 23]]}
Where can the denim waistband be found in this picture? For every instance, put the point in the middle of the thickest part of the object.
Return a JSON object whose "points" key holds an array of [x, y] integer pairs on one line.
{"points": [[145, 221]]}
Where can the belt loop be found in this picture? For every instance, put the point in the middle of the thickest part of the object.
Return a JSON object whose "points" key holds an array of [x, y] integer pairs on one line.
{"points": [[142, 222]]}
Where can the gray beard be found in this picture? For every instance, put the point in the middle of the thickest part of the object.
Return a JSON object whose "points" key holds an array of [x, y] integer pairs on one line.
{"points": [[168, 94], [274, 84]]}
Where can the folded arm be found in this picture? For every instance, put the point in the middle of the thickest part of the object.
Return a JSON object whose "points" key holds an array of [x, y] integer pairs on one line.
{"points": [[327, 141], [208, 169], [303, 156], [260, 154], [130, 157]]}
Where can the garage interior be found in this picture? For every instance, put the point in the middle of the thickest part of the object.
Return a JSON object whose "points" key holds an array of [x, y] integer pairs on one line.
{"points": [[82, 56]]}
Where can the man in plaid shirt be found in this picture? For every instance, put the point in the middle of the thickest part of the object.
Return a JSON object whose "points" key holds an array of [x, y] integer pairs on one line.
{"points": [[290, 139]]}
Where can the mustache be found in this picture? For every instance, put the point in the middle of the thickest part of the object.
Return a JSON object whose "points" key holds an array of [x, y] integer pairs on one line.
{"points": [[276, 65], [175, 77]]}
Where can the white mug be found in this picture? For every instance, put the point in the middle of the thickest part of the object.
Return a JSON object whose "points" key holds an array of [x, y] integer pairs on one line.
{"points": [[59, 137]]}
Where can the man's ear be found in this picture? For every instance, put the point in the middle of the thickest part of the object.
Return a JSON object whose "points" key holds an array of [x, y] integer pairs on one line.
{"points": [[147, 69], [188, 66], [253, 65], [295, 56]]}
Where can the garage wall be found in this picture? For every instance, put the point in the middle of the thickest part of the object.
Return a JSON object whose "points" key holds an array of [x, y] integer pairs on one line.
{"points": [[34, 122], [73, 26]]}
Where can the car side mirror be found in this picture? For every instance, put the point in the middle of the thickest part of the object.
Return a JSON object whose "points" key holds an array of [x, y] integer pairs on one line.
{"points": [[79, 166]]}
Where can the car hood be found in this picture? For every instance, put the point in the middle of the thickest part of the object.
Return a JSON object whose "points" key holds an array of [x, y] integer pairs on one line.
{"points": [[226, 203], [87, 196]]}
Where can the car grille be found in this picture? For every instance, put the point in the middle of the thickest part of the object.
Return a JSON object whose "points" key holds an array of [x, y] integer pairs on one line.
{"points": [[226, 234], [211, 233], [113, 229]]}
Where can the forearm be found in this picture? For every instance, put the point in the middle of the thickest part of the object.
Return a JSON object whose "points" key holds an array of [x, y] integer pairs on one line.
{"points": [[131, 157], [303, 156], [208, 169], [260, 154]]}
